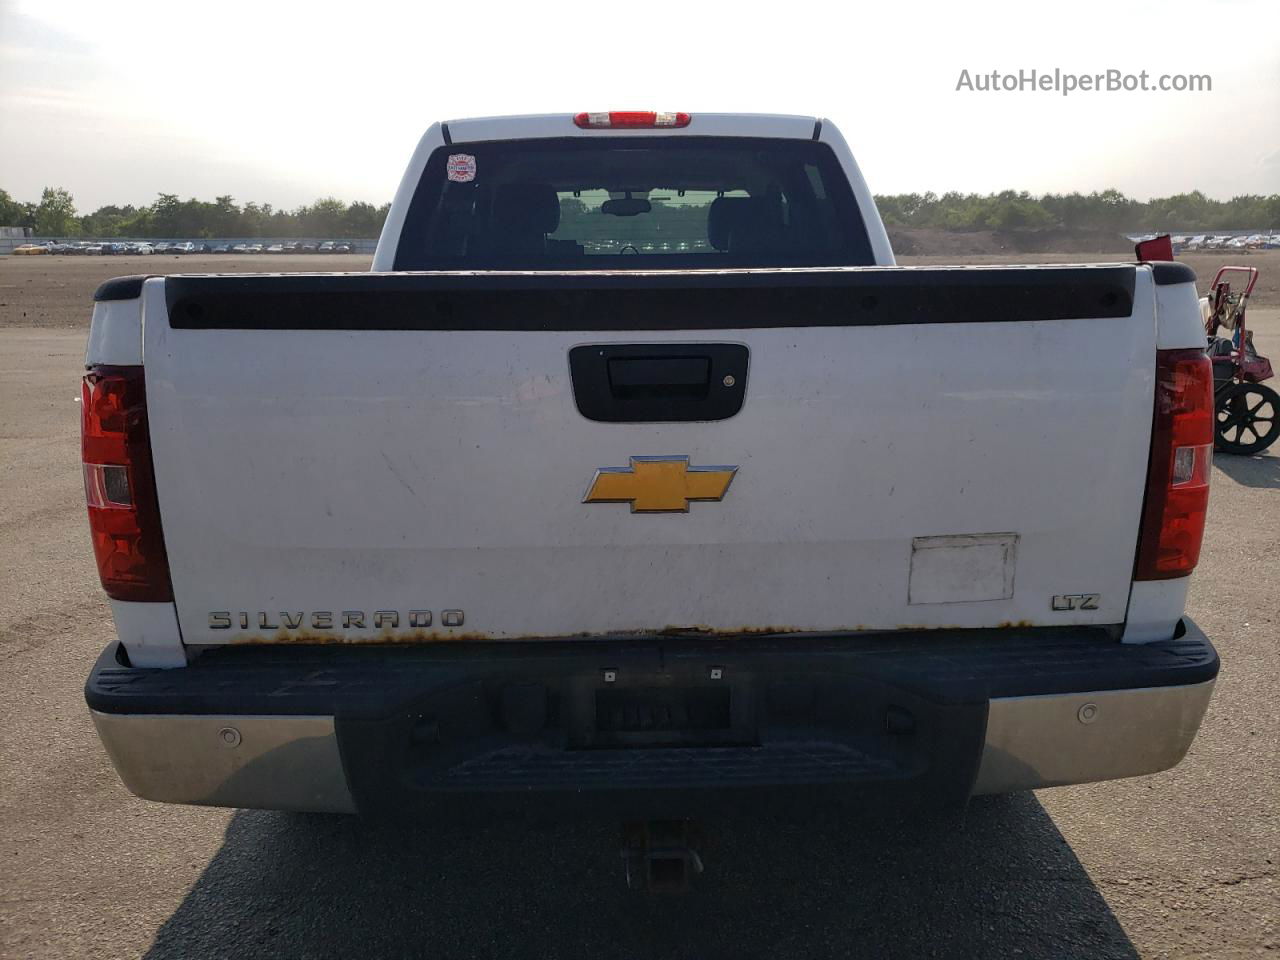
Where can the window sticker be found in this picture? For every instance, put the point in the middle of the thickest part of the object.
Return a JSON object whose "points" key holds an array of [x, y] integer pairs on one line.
{"points": [[461, 167]]}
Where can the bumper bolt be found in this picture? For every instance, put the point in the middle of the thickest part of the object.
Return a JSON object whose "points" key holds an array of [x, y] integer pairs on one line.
{"points": [[717, 673], [229, 736], [1087, 713], [610, 675]]}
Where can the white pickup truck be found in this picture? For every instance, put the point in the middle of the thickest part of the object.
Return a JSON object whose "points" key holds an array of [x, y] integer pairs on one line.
{"points": [[636, 477]]}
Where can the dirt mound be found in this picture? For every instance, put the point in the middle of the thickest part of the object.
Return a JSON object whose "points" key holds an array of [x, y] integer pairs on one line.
{"points": [[927, 242]]}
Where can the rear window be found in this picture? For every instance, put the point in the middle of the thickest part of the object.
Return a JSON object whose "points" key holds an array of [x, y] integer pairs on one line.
{"points": [[639, 203]]}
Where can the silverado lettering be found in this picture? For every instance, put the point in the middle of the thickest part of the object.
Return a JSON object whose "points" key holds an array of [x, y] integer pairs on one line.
{"points": [[318, 620]]}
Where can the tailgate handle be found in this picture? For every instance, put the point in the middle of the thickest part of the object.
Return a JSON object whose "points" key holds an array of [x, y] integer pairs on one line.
{"points": [[658, 382], [659, 376]]}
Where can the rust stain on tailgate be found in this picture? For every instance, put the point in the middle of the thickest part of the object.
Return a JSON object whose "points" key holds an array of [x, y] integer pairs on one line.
{"points": [[304, 636], [423, 637], [389, 637]]}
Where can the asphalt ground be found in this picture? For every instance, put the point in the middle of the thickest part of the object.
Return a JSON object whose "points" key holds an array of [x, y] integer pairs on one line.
{"points": [[1179, 864]]}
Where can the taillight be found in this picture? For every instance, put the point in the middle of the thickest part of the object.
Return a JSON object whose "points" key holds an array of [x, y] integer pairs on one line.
{"points": [[1178, 471], [120, 485], [633, 119]]}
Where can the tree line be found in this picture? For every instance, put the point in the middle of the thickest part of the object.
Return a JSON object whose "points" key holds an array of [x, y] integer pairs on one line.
{"points": [[55, 215], [1108, 210]]}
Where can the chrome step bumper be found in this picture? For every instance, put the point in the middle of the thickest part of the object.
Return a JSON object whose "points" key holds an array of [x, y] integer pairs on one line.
{"points": [[938, 717], [1053, 741], [268, 763], [293, 763]]}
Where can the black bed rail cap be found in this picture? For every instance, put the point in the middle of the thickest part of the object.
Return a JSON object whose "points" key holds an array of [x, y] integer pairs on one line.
{"points": [[1167, 272], [122, 288], [664, 300]]}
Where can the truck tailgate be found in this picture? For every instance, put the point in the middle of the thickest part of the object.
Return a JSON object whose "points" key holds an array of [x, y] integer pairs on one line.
{"points": [[404, 457]]}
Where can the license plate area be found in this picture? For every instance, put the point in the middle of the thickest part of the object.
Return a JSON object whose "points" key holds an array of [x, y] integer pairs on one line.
{"points": [[658, 710], [663, 711]]}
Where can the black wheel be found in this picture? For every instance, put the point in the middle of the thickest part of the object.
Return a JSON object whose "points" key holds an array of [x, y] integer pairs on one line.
{"points": [[1246, 418]]}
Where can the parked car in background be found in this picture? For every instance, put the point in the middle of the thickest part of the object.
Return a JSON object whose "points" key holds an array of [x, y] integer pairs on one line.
{"points": [[30, 250], [93, 250], [115, 247]]}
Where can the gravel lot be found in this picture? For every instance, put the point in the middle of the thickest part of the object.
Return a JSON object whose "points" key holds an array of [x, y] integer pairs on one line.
{"points": [[1176, 865]]}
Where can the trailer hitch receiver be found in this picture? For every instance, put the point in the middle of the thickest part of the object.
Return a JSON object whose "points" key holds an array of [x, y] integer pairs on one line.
{"points": [[658, 855]]}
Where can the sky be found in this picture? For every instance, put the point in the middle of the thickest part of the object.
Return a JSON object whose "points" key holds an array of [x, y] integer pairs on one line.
{"points": [[284, 102]]}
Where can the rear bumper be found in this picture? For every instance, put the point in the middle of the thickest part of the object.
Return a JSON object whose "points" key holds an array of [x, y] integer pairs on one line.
{"points": [[658, 728]]}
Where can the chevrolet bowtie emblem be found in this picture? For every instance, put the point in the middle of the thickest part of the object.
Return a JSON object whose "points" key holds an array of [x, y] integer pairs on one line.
{"points": [[659, 484]]}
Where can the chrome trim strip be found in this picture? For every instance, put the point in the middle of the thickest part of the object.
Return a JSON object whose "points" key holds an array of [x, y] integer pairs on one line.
{"points": [[265, 762], [1050, 741]]}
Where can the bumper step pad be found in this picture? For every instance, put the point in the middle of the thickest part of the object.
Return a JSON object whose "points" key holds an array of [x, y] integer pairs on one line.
{"points": [[673, 767]]}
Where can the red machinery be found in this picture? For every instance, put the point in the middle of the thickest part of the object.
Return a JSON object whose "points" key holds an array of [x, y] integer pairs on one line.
{"points": [[1246, 410]]}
